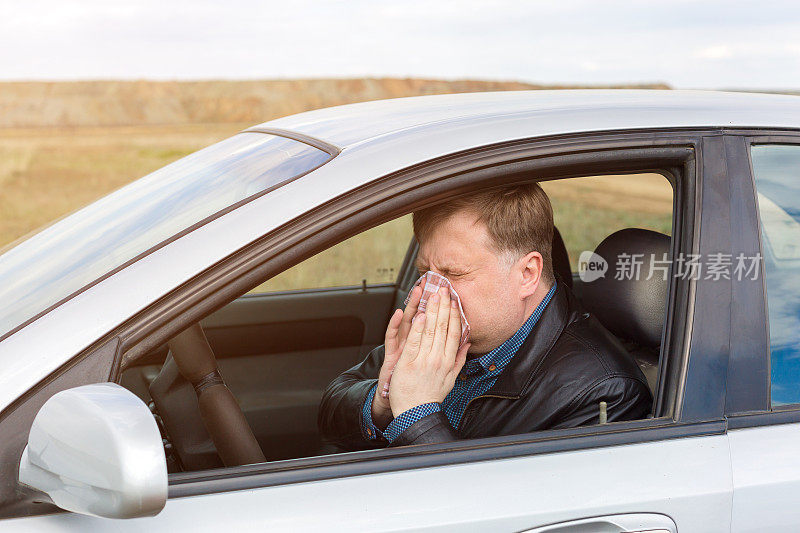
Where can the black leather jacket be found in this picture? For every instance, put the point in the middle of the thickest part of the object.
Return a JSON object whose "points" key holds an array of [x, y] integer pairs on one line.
{"points": [[567, 365]]}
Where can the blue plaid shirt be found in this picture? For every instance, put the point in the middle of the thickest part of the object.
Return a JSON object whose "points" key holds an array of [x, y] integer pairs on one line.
{"points": [[477, 377]]}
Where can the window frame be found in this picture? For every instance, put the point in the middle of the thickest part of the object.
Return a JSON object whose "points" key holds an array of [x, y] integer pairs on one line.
{"points": [[401, 192], [373, 461]]}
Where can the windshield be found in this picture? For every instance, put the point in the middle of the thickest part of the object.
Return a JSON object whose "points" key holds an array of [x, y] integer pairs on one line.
{"points": [[74, 252]]}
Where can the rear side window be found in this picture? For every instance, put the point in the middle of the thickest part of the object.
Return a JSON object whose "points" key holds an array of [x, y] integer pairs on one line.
{"points": [[777, 177], [74, 252]]}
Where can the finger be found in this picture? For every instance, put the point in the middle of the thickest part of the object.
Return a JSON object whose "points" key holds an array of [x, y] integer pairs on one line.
{"points": [[442, 325], [461, 358], [385, 386], [431, 311], [410, 312], [412, 345], [391, 341], [453, 335]]}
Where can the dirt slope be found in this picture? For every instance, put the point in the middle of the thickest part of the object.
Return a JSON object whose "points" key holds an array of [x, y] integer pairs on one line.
{"points": [[115, 103]]}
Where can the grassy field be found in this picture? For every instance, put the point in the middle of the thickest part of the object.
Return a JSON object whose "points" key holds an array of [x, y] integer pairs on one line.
{"points": [[65, 144], [48, 173], [585, 209], [588, 209]]}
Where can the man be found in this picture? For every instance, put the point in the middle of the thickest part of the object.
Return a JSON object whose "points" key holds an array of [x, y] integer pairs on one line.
{"points": [[534, 359]]}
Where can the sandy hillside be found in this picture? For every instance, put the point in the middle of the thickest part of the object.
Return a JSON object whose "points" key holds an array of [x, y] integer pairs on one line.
{"points": [[115, 103]]}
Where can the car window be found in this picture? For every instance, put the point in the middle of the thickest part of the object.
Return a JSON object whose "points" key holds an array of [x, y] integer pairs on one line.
{"points": [[373, 257], [92, 242], [777, 177], [588, 209]]}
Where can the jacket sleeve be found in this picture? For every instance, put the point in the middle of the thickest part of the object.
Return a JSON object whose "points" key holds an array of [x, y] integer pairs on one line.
{"points": [[626, 399], [340, 411], [432, 429]]}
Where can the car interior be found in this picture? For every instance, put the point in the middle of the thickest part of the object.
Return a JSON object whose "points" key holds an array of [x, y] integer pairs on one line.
{"points": [[267, 356]]}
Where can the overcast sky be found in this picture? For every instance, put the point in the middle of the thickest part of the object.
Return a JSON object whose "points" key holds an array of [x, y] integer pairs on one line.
{"points": [[686, 43]]}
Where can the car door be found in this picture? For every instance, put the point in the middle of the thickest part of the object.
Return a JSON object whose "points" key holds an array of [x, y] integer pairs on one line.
{"points": [[671, 471], [764, 394], [494, 495]]}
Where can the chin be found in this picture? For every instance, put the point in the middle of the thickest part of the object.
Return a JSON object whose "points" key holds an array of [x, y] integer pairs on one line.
{"points": [[475, 349]]}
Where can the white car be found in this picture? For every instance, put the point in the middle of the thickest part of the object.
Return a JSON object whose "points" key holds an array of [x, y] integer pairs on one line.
{"points": [[98, 422]]}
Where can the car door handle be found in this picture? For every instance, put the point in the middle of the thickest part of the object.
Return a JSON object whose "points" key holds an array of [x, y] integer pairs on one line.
{"points": [[618, 523]]}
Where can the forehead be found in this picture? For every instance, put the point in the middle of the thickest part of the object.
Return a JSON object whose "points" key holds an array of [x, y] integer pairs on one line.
{"points": [[459, 240]]}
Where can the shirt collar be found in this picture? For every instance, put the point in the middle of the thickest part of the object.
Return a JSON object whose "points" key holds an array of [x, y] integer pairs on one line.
{"points": [[500, 356]]}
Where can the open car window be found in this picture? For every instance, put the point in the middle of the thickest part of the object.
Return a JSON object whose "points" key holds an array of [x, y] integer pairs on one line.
{"points": [[278, 354]]}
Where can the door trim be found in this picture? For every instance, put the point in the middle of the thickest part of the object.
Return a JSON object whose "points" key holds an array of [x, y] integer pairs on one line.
{"points": [[432, 455]]}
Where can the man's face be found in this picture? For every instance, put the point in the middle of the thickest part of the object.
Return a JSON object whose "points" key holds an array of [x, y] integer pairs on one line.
{"points": [[488, 283]]}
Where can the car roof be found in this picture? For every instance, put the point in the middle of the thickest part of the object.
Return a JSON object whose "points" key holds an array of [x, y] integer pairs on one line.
{"points": [[599, 110]]}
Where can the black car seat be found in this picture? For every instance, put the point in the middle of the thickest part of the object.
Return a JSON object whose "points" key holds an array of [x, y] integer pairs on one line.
{"points": [[633, 308], [560, 258]]}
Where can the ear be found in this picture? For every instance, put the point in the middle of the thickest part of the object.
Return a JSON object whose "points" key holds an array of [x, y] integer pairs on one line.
{"points": [[530, 267]]}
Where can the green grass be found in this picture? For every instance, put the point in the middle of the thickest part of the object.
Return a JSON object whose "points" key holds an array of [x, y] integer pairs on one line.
{"points": [[45, 174], [583, 226], [48, 173], [374, 255]]}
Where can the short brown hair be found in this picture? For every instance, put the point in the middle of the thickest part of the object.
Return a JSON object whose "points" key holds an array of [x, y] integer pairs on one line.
{"points": [[518, 218]]}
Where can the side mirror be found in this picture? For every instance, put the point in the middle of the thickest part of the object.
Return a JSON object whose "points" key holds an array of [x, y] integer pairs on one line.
{"points": [[96, 450]]}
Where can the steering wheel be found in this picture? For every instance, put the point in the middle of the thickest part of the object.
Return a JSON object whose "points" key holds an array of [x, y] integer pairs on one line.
{"points": [[221, 414]]}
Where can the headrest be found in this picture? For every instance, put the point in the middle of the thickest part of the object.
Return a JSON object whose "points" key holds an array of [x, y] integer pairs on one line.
{"points": [[632, 307], [561, 267]]}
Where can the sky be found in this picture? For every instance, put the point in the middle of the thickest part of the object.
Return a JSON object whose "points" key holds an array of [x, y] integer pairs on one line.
{"points": [[685, 43]]}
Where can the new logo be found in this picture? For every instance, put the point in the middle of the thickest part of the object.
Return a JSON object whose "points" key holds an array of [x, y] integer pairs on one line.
{"points": [[591, 266]]}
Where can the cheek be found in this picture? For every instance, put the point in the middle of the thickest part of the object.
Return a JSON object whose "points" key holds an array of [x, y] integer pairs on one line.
{"points": [[480, 302], [469, 300]]}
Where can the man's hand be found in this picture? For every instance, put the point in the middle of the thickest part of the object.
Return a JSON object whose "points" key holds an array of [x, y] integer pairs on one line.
{"points": [[430, 360], [394, 341]]}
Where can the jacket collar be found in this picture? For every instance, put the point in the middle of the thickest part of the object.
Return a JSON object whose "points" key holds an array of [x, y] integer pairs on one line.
{"points": [[512, 380]]}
